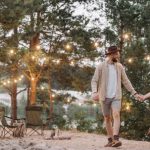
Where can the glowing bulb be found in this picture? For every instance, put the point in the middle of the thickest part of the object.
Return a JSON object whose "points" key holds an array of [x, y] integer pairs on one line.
{"points": [[68, 46], [130, 60], [68, 99], [53, 95], [126, 36], [79, 104], [127, 107], [72, 63], [4, 83], [32, 79], [42, 88], [22, 76], [96, 44], [94, 105], [33, 57], [8, 81], [11, 51], [38, 47], [15, 80], [57, 61], [44, 59], [148, 58]]}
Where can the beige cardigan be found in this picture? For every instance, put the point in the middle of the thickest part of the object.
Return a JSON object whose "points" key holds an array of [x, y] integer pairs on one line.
{"points": [[99, 81]]}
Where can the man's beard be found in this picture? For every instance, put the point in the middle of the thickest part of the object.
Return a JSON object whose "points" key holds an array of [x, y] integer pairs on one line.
{"points": [[114, 60]]}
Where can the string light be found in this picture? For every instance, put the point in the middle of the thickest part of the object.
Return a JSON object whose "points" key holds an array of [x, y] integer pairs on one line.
{"points": [[15, 80], [4, 83], [57, 61], [68, 46], [68, 100], [33, 57], [94, 104], [38, 47], [147, 58], [42, 88], [96, 44], [53, 95], [79, 104], [10, 81], [130, 60], [72, 63], [20, 79], [22, 76], [126, 36], [11, 52], [32, 79], [127, 107]]}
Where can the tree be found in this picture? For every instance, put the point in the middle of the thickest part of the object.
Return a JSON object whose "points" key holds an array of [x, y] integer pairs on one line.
{"points": [[49, 28]]}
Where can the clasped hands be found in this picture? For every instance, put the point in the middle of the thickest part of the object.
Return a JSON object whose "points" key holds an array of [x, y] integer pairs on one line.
{"points": [[139, 97]]}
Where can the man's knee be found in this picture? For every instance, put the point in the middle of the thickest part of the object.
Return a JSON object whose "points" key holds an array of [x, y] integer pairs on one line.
{"points": [[116, 114], [107, 118]]}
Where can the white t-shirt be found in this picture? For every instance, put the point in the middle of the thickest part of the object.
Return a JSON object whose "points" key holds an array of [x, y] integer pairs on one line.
{"points": [[112, 81]]}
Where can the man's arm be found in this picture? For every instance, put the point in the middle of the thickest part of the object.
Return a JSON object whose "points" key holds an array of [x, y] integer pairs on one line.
{"points": [[95, 79], [126, 82]]}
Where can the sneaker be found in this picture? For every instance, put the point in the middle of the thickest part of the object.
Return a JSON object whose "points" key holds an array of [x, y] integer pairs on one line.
{"points": [[116, 143], [110, 142]]}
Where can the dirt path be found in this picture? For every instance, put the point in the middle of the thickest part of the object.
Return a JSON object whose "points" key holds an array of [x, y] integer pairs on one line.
{"points": [[79, 141]]}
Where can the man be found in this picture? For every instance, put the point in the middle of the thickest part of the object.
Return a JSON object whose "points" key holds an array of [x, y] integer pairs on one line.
{"points": [[106, 86]]}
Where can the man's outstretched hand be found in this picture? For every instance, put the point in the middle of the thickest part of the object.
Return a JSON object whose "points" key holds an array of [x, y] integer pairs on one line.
{"points": [[139, 97]]}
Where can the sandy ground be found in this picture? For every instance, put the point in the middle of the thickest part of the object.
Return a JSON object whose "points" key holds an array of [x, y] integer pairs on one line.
{"points": [[79, 141]]}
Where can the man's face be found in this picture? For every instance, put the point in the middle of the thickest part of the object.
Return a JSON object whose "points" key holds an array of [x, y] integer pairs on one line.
{"points": [[115, 57]]}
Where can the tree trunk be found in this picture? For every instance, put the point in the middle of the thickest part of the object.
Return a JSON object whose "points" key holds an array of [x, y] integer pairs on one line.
{"points": [[121, 44], [33, 84], [28, 94], [50, 98], [14, 102]]}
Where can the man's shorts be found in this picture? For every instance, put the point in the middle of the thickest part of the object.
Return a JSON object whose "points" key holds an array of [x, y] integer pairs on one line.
{"points": [[110, 105]]}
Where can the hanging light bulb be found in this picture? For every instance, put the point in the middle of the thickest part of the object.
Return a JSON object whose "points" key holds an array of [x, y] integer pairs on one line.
{"points": [[20, 79], [53, 95], [68, 46], [68, 99], [148, 58], [42, 88], [79, 104], [126, 36], [15, 80], [130, 60], [128, 107], [4, 83], [22, 76], [38, 47], [32, 79], [96, 44], [94, 104], [33, 57], [57, 61], [11, 52], [8, 82], [72, 63]]}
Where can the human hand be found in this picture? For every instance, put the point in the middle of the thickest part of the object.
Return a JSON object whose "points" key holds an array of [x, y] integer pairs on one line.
{"points": [[95, 96], [139, 97]]}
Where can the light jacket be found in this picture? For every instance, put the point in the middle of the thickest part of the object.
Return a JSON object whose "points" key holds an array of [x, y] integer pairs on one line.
{"points": [[100, 80]]}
